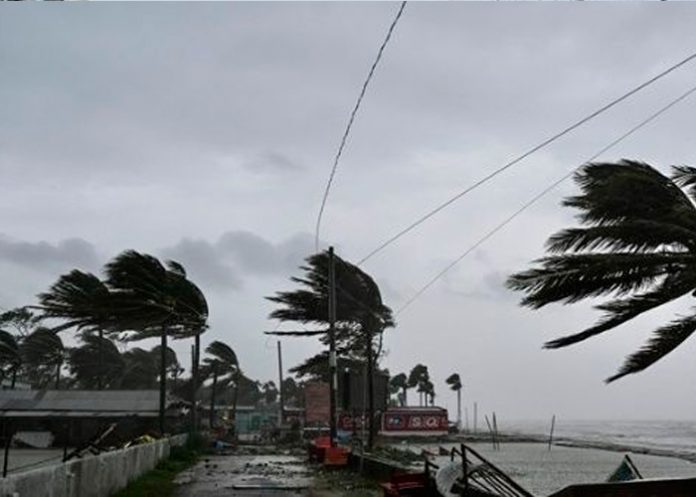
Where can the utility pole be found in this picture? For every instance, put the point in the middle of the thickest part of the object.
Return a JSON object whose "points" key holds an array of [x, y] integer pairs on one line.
{"points": [[281, 417], [333, 380]]}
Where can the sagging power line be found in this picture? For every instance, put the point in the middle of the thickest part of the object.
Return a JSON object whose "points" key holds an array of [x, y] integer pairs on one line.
{"points": [[523, 156], [541, 194]]}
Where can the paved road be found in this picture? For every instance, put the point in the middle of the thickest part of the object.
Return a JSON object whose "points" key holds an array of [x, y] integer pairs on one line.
{"points": [[246, 476]]}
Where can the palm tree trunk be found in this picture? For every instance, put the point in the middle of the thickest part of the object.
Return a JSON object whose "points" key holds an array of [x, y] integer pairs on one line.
{"points": [[14, 378], [370, 391], [404, 402], [163, 379], [58, 366], [100, 378], [212, 398], [235, 397], [194, 376]]}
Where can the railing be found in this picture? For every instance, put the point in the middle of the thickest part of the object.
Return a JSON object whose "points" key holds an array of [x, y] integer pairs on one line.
{"points": [[482, 477]]}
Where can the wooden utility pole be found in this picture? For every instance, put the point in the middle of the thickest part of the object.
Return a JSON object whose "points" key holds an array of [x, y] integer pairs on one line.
{"points": [[281, 417], [333, 379], [211, 420]]}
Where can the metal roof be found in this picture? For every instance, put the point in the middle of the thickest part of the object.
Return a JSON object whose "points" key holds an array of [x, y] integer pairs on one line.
{"points": [[78, 402]]}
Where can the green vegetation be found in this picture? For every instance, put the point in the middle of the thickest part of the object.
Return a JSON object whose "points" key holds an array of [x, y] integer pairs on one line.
{"points": [[636, 247], [160, 481]]}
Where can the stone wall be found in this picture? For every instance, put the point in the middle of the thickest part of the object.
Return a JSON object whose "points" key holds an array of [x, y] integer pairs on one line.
{"points": [[96, 476]]}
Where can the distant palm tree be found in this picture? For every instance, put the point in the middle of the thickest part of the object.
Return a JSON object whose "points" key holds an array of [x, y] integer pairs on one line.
{"points": [[222, 364], [455, 383], [97, 363], [10, 357], [638, 245], [399, 384], [150, 299], [44, 354], [417, 378]]}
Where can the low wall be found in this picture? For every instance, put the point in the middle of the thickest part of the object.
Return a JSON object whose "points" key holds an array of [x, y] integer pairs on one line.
{"points": [[96, 476]]}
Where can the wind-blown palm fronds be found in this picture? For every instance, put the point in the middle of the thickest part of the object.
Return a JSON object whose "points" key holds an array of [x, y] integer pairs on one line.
{"points": [[97, 363], [637, 246]]}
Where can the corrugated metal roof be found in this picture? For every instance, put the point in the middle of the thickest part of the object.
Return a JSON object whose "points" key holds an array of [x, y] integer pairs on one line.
{"points": [[80, 401]]}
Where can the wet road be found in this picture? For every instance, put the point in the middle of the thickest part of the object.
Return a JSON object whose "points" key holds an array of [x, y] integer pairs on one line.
{"points": [[246, 476]]}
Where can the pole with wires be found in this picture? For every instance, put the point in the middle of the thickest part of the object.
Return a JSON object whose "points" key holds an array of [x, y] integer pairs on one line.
{"points": [[333, 380]]}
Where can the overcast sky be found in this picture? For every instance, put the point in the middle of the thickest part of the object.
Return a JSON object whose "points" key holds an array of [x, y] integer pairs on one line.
{"points": [[205, 133]]}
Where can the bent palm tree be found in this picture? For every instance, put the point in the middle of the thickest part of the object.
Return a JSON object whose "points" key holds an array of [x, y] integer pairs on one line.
{"points": [[638, 245], [10, 357], [455, 383], [222, 364], [150, 300], [44, 354], [82, 301]]}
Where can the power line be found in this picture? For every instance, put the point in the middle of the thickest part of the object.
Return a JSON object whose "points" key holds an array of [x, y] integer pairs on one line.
{"points": [[541, 194], [350, 122], [526, 154]]}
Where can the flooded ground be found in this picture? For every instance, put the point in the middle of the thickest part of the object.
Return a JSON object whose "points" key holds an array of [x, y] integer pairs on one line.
{"points": [[246, 476], [543, 472]]}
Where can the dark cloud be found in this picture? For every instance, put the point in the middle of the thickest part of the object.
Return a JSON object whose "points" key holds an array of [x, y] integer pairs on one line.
{"points": [[204, 265], [254, 254], [63, 255]]}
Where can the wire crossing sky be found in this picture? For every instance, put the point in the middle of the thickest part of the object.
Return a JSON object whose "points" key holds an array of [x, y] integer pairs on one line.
{"points": [[539, 195], [344, 138], [519, 158]]}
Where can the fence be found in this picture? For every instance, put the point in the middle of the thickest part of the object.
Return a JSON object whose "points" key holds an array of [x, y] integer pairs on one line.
{"points": [[97, 476]]}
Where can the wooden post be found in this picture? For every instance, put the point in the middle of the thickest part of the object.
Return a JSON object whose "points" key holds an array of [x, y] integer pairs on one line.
{"points": [[465, 469], [475, 417], [495, 429], [490, 430], [333, 380], [553, 424]]}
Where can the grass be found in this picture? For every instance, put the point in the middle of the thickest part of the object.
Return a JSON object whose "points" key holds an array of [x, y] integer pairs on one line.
{"points": [[160, 481]]}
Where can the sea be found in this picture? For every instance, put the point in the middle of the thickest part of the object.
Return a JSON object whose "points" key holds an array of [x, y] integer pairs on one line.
{"points": [[585, 451]]}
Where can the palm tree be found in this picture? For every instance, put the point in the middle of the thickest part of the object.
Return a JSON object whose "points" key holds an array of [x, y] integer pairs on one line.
{"points": [[150, 299], [10, 357], [221, 365], [97, 363], [44, 354], [83, 302], [417, 378], [637, 245], [399, 383], [361, 315], [455, 383]]}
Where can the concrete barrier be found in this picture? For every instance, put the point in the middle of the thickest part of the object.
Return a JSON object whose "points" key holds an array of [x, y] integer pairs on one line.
{"points": [[97, 476]]}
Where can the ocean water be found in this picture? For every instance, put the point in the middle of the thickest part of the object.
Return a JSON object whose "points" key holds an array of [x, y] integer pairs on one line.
{"points": [[543, 471], [678, 437]]}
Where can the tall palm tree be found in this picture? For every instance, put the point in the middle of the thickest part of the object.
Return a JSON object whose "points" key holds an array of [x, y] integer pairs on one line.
{"points": [[455, 383], [221, 364], [44, 354], [361, 316], [151, 299], [637, 245], [400, 384], [10, 357], [83, 302]]}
